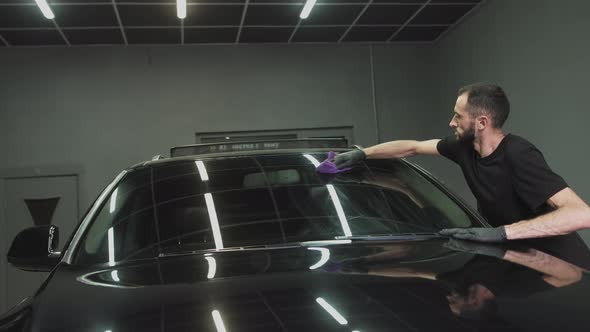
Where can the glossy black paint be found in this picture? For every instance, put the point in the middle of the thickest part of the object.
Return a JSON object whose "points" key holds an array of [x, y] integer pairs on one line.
{"points": [[374, 286]]}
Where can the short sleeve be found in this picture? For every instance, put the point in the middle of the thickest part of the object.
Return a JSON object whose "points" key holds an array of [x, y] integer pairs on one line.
{"points": [[449, 148], [534, 181]]}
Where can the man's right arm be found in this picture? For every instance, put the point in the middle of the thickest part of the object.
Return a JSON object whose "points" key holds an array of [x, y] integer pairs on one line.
{"points": [[393, 149], [402, 149]]}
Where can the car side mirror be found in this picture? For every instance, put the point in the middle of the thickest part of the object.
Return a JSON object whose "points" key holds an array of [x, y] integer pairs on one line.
{"points": [[33, 249]]}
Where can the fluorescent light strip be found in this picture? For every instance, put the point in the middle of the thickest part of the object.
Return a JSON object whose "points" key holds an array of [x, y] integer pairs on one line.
{"points": [[218, 321], [212, 267], [323, 259], [113, 201], [214, 221], [339, 210], [202, 171], [111, 238], [181, 9], [311, 158], [337, 316], [307, 9], [115, 276], [45, 9]]}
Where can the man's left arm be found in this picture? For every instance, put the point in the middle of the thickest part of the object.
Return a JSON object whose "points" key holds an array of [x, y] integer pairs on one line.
{"points": [[571, 214]]}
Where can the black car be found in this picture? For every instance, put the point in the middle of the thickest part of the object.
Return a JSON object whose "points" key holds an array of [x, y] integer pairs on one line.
{"points": [[257, 240]]}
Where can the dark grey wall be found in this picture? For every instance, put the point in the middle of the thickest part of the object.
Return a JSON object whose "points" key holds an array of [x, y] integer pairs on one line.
{"points": [[539, 51]]}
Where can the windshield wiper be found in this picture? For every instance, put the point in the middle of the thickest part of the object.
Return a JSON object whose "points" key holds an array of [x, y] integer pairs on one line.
{"points": [[387, 237]]}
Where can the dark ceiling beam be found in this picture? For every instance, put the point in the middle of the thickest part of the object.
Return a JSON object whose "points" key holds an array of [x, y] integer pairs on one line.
{"points": [[472, 10], [355, 20], [244, 12], [120, 22], [396, 32], [295, 30], [61, 33]]}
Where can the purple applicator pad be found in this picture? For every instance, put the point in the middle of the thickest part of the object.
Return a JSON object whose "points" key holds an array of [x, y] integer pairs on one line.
{"points": [[328, 167]]}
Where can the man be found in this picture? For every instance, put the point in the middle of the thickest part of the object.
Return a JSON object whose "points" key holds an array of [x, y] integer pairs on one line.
{"points": [[516, 191]]}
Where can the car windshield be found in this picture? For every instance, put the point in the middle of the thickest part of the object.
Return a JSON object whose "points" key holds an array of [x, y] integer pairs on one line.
{"points": [[272, 199]]}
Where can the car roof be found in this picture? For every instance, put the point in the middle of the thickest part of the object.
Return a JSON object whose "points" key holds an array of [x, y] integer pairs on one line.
{"points": [[222, 155]]}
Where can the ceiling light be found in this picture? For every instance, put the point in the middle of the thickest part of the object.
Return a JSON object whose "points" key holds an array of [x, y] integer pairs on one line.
{"points": [[115, 276], [307, 9], [42, 4], [181, 9]]}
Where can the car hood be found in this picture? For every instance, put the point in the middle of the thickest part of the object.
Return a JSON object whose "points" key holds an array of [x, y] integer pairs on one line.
{"points": [[429, 284]]}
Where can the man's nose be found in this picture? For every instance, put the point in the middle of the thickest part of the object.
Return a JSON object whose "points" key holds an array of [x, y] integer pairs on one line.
{"points": [[452, 124]]}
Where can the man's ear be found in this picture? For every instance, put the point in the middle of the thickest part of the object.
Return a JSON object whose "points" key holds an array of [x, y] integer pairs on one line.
{"points": [[481, 122]]}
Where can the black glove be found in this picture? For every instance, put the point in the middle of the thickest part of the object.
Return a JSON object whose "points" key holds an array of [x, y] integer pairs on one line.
{"points": [[480, 234], [347, 159], [476, 248]]}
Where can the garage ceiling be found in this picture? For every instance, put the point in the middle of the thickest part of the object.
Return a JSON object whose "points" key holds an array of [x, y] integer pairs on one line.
{"points": [[119, 22]]}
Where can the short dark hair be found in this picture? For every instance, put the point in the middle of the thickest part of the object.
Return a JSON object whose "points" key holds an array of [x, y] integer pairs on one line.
{"points": [[487, 98]]}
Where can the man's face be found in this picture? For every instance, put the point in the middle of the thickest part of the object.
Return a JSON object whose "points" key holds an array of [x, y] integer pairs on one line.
{"points": [[462, 122], [474, 300]]}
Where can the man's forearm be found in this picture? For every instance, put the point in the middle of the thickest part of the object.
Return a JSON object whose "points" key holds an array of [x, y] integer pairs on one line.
{"points": [[561, 221], [393, 149], [559, 273], [543, 262]]}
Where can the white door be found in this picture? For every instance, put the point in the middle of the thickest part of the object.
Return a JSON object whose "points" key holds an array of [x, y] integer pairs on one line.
{"points": [[31, 201]]}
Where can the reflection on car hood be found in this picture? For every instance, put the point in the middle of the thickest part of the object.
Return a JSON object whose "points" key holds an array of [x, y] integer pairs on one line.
{"points": [[419, 285]]}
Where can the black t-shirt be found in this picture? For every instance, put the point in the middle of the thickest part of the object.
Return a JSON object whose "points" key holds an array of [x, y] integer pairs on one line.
{"points": [[511, 184]]}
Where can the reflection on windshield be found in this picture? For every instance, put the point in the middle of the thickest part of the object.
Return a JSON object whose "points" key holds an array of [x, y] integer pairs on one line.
{"points": [[333, 312], [325, 252], [111, 240], [218, 321], [214, 221], [113, 204], [210, 207], [202, 170], [212, 266], [335, 200]]}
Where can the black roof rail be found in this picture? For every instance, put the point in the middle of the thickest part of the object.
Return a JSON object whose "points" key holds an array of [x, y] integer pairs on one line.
{"points": [[258, 145]]}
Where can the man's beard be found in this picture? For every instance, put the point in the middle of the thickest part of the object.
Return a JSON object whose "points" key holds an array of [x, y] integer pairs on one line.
{"points": [[468, 135]]}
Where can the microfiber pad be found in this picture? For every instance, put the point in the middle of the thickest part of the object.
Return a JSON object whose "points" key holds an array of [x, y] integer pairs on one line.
{"points": [[328, 167]]}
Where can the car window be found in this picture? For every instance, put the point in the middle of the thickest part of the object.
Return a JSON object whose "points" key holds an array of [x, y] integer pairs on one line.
{"points": [[268, 199]]}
